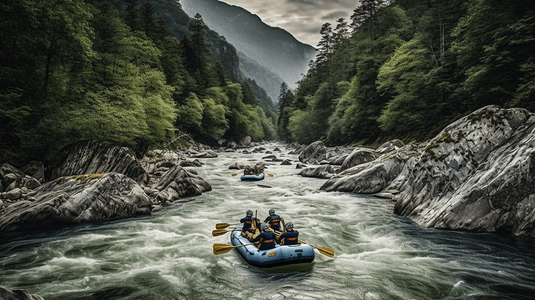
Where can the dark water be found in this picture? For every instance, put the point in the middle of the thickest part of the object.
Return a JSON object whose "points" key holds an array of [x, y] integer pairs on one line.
{"points": [[169, 255]]}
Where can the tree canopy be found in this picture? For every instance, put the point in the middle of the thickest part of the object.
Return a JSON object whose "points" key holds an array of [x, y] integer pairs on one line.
{"points": [[72, 70], [410, 67]]}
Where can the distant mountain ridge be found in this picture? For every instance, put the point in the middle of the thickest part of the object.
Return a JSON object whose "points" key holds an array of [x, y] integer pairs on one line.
{"points": [[273, 48]]}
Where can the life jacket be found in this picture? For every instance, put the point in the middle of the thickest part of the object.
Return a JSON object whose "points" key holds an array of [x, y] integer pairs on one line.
{"points": [[267, 240], [247, 223], [290, 237], [274, 222]]}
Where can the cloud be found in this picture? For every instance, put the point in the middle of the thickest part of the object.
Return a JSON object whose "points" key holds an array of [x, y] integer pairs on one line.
{"points": [[335, 15], [302, 18]]}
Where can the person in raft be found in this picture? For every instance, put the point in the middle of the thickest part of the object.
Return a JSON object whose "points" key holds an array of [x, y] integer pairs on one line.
{"points": [[250, 225], [290, 237], [247, 222], [275, 221], [266, 238]]}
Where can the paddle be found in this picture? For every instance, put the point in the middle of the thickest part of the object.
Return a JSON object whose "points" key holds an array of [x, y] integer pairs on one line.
{"points": [[219, 232], [224, 248], [234, 174], [224, 225], [323, 250]]}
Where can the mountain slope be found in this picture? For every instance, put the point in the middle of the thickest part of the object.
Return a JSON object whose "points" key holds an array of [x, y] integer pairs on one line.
{"points": [[268, 80], [274, 48]]}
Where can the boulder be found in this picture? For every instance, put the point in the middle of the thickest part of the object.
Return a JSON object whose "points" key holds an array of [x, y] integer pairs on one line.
{"points": [[325, 172], [35, 169], [17, 294], [390, 146], [13, 194], [476, 175], [237, 166], [78, 200], [190, 163], [96, 157], [374, 176], [246, 141], [314, 153], [286, 162], [177, 183], [300, 166], [206, 154], [23, 182], [359, 156]]}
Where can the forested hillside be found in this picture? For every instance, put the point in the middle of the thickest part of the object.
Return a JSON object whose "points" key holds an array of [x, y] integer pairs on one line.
{"points": [[407, 69], [72, 70]]}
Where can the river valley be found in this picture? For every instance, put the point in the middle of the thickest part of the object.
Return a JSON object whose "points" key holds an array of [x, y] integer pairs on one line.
{"points": [[168, 255]]}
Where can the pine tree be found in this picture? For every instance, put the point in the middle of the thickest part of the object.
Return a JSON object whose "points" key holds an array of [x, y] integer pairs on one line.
{"points": [[326, 44]]}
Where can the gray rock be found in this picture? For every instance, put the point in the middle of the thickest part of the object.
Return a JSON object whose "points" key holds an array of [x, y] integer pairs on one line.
{"points": [[96, 157], [286, 162], [7, 169], [246, 141], [207, 154], [374, 176], [24, 182], [8, 179], [325, 171], [183, 182], [390, 146], [14, 194], [314, 153], [35, 169], [300, 166], [17, 294], [476, 175], [68, 200], [359, 156], [237, 166], [368, 178]]}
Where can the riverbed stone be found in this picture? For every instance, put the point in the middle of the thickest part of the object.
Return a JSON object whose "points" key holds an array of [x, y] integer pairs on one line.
{"points": [[35, 169], [325, 171], [359, 156], [286, 162], [17, 294], [13, 194], [314, 153], [373, 176], [68, 200], [186, 184]]}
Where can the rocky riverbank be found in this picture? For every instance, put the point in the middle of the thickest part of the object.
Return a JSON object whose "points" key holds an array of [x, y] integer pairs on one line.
{"points": [[95, 182], [476, 175]]}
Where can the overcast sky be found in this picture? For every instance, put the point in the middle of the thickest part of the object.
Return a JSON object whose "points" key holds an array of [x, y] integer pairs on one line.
{"points": [[302, 18]]}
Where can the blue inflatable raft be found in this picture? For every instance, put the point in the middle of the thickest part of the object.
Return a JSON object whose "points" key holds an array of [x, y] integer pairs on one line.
{"points": [[252, 177], [278, 256]]}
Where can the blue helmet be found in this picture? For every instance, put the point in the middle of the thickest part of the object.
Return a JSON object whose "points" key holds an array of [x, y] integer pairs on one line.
{"points": [[272, 212], [249, 213]]}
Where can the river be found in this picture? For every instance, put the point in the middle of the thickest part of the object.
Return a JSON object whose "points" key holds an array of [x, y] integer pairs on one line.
{"points": [[168, 255]]}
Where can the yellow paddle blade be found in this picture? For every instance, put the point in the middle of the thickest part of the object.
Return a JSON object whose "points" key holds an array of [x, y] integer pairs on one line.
{"points": [[223, 225], [222, 248], [326, 251], [234, 174], [218, 232], [270, 175]]}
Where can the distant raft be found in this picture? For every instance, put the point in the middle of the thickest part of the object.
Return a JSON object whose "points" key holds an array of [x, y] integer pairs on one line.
{"points": [[252, 177], [278, 256]]}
